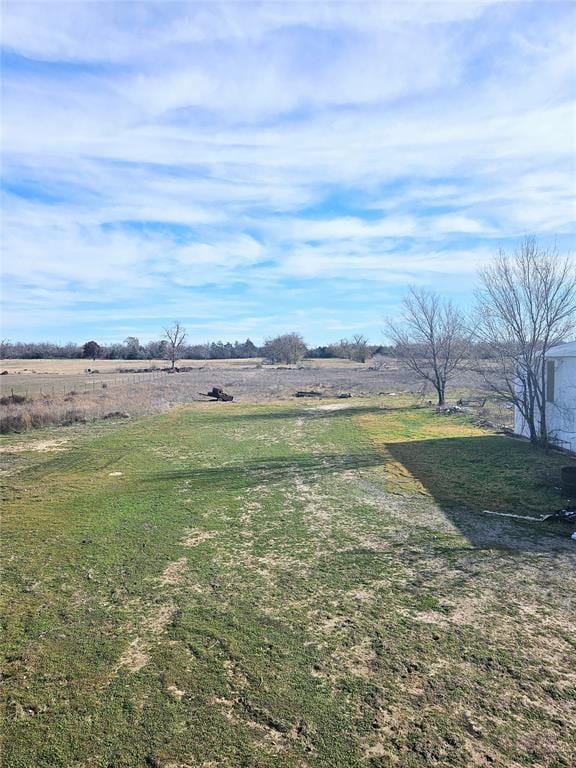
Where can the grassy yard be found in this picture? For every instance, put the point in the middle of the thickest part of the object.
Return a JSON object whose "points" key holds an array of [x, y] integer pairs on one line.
{"points": [[304, 585]]}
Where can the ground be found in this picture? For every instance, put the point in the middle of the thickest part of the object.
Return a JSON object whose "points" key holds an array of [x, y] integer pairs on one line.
{"points": [[57, 392], [286, 584], [247, 378]]}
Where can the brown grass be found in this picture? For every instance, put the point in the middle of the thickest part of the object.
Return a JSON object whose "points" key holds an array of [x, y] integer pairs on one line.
{"points": [[135, 399], [57, 396], [76, 367]]}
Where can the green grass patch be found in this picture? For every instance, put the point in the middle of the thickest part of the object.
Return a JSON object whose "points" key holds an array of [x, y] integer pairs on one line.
{"points": [[263, 586], [461, 465]]}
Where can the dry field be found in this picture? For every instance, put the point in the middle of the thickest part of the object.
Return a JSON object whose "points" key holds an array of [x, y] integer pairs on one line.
{"points": [[33, 377], [67, 397], [56, 377], [56, 367]]}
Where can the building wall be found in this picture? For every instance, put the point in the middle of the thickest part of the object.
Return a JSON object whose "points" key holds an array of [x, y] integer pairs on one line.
{"points": [[561, 414]]}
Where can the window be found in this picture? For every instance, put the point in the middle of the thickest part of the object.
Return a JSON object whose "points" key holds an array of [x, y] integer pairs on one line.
{"points": [[550, 381]]}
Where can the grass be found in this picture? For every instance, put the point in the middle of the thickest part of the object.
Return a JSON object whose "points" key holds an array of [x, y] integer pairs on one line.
{"points": [[459, 464], [285, 585]]}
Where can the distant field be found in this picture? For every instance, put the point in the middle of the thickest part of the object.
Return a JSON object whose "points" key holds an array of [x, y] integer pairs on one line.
{"points": [[60, 376], [285, 585], [76, 367], [63, 397], [33, 381]]}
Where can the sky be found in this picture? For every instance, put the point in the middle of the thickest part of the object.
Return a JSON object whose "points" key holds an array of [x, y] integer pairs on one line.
{"points": [[253, 168]]}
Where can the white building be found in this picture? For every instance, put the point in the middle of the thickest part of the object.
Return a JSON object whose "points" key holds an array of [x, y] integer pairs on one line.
{"points": [[560, 397]]}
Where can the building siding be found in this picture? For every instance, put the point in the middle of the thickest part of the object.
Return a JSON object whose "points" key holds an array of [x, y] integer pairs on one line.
{"points": [[561, 413]]}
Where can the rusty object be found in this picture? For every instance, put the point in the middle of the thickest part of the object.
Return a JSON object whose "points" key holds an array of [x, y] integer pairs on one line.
{"points": [[218, 394]]}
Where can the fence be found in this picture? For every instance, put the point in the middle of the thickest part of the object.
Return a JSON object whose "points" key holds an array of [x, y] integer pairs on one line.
{"points": [[29, 386]]}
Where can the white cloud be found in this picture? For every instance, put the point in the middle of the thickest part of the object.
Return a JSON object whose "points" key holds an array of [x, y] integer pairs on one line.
{"points": [[104, 30], [355, 229], [191, 145]]}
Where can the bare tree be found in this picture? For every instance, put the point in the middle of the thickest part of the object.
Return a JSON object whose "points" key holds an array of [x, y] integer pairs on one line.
{"points": [[431, 338], [133, 348], [351, 349], [175, 337], [527, 304], [359, 348]]}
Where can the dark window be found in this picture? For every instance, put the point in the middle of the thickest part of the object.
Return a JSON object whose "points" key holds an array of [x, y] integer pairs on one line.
{"points": [[550, 381]]}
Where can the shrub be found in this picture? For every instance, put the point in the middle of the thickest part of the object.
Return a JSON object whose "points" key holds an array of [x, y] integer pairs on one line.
{"points": [[13, 400], [288, 348]]}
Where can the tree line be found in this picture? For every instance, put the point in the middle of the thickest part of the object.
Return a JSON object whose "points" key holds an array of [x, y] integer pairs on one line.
{"points": [[129, 349], [279, 349]]}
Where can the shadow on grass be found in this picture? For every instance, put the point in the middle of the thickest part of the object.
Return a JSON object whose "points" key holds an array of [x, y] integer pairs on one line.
{"points": [[273, 469], [313, 410], [473, 474], [463, 475], [80, 460], [96, 459]]}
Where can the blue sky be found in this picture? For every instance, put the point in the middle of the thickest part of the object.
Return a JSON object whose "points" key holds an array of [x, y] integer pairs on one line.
{"points": [[254, 168]]}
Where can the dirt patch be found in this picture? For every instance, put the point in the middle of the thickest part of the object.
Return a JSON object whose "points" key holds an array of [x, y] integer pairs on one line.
{"points": [[41, 446], [332, 407], [427, 617], [174, 573], [134, 657], [317, 511], [235, 673], [471, 611], [225, 706], [358, 660], [327, 625], [193, 538], [176, 692], [360, 594], [160, 618], [376, 750]]}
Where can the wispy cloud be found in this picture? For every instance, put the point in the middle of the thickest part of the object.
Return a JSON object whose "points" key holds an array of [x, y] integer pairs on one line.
{"points": [[253, 158]]}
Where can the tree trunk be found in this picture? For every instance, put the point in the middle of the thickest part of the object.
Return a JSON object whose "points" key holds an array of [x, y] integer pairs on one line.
{"points": [[530, 400], [543, 424], [441, 394], [530, 420]]}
